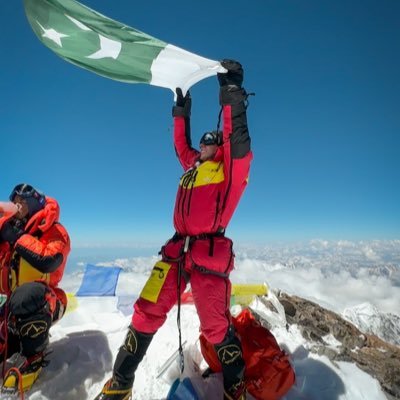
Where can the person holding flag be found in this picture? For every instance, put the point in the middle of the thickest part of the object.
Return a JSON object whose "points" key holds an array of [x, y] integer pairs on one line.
{"points": [[34, 248], [199, 252]]}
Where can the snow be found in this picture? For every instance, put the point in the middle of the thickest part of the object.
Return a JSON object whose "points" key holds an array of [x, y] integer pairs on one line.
{"points": [[369, 319], [85, 342]]}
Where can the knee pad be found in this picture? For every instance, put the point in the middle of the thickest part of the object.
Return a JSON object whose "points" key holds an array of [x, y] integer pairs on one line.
{"points": [[28, 298]]}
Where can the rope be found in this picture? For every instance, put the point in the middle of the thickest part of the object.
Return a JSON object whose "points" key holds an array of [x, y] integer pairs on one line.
{"points": [[219, 118], [5, 325], [5, 329], [5, 355], [178, 320], [19, 375]]}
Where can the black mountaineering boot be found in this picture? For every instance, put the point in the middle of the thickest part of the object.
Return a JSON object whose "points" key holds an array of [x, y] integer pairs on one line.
{"points": [[22, 372], [230, 355], [112, 390], [29, 320], [130, 354]]}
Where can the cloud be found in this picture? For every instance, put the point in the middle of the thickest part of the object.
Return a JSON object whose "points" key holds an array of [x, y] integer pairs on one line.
{"points": [[335, 274]]}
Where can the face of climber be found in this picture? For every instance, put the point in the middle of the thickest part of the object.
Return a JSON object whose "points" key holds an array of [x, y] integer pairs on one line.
{"points": [[209, 143], [28, 199], [207, 151], [22, 205]]}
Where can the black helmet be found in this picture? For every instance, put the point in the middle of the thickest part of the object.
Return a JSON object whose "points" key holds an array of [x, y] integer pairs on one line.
{"points": [[35, 199], [212, 137]]}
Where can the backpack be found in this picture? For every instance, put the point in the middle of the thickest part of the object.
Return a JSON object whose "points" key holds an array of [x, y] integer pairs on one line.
{"points": [[269, 374]]}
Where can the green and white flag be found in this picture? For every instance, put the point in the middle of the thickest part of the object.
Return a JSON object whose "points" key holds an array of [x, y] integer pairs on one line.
{"points": [[114, 50]]}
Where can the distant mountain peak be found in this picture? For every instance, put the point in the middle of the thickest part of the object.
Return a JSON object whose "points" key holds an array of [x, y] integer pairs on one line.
{"points": [[369, 319]]}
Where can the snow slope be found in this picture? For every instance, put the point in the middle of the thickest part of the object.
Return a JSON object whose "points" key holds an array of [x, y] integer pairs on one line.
{"points": [[85, 343], [86, 340]]}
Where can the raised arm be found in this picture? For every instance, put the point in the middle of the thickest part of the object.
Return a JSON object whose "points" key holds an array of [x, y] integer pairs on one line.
{"points": [[182, 141], [232, 99], [236, 139]]}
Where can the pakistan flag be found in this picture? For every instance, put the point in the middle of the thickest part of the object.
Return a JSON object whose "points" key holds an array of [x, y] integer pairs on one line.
{"points": [[114, 50]]}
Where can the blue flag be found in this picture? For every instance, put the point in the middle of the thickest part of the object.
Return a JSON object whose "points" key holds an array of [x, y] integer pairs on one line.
{"points": [[99, 281]]}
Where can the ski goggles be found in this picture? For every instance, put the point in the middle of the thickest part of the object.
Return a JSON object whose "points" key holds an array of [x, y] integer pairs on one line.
{"points": [[210, 138], [25, 191]]}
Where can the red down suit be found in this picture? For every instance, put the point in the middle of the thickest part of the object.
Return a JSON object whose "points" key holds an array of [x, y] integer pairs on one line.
{"points": [[207, 196]]}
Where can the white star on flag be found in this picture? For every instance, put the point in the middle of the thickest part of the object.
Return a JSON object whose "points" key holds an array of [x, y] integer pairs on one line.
{"points": [[52, 34], [114, 50], [108, 48]]}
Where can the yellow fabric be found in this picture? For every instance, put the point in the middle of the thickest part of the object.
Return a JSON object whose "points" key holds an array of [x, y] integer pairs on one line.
{"points": [[72, 303], [28, 379], [128, 392], [27, 273], [249, 289], [208, 172], [244, 301], [154, 284], [244, 294], [108, 389]]}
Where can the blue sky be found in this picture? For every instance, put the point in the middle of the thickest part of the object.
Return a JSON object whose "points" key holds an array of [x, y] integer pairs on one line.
{"points": [[325, 121]]}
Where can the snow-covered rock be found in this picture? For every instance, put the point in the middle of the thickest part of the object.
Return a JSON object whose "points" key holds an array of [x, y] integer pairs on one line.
{"points": [[369, 319]]}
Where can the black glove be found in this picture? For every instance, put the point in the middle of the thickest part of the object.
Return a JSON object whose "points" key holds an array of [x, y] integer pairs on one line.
{"points": [[234, 76], [183, 104], [11, 231]]}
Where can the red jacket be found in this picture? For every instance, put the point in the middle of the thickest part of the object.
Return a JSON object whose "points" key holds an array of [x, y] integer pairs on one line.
{"points": [[209, 191], [39, 254]]}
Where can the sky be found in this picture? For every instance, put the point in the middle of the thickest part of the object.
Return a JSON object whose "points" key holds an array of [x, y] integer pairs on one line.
{"points": [[324, 122], [94, 327]]}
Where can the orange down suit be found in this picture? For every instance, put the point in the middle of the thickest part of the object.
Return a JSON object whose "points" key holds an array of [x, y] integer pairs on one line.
{"points": [[40, 254], [207, 196]]}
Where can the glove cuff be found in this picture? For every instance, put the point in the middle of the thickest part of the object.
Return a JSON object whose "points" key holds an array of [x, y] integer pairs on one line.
{"points": [[180, 112], [231, 94]]}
